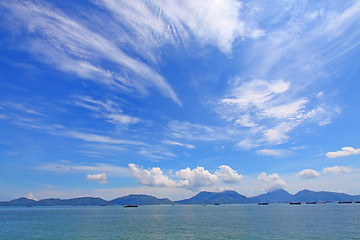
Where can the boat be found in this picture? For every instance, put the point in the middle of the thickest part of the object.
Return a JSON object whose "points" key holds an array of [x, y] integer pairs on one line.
{"points": [[217, 204], [357, 202], [341, 202], [263, 203], [295, 203], [311, 202], [320, 202], [130, 205], [28, 205]]}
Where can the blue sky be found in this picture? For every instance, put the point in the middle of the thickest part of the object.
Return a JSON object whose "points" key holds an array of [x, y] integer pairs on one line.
{"points": [[107, 98]]}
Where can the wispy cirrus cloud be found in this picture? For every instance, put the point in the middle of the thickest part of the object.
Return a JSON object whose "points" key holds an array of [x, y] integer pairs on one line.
{"points": [[202, 132], [89, 137], [70, 167], [72, 47], [80, 44], [276, 94], [108, 109], [218, 23], [60, 130]]}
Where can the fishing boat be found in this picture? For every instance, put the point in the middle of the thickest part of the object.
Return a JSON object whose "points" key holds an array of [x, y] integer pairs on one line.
{"points": [[341, 202], [217, 204], [263, 203], [357, 202], [130, 205], [295, 203], [311, 202]]}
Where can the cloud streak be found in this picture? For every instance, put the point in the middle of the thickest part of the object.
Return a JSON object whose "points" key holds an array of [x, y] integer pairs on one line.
{"points": [[339, 170], [189, 146], [101, 177], [344, 152]]}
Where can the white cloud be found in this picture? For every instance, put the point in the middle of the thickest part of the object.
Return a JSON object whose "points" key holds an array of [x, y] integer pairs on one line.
{"points": [[101, 177], [272, 181], [308, 173], [273, 152], [345, 151], [31, 197], [198, 177], [228, 174], [185, 178], [339, 169], [189, 146], [151, 177]]}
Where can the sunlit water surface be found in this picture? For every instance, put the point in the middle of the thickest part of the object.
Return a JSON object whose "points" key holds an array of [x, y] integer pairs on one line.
{"points": [[249, 221]]}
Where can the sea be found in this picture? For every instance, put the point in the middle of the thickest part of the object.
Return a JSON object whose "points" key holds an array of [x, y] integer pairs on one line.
{"points": [[226, 221]]}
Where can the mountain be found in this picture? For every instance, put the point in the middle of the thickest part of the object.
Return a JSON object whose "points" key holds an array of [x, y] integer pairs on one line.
{"points": [[277, 196], [140, 200], [311, 196], [225, 197], [19, 202], [83, 201]]}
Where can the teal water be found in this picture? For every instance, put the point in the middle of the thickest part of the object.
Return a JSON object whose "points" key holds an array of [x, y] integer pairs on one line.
{"points": [[277, 221]]}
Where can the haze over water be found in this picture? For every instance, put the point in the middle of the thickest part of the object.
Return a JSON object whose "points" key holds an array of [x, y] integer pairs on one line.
{"points": [[276, 221]]}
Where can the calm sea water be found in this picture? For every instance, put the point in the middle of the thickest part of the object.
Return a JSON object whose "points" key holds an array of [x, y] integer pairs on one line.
{"points": [[277, 221]]}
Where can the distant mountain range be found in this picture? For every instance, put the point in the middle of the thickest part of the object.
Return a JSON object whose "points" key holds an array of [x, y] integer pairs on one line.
{"points": [[226, 197]]}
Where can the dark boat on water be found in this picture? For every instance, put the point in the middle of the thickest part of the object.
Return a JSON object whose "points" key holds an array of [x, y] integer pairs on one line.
{"points": [[311, 202], [217, 204], [28, 205], [263, 203], [357, 202], [341, 202], [295, 203], [130, 205]]}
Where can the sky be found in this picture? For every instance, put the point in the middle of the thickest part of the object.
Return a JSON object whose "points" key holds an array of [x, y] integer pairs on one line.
{"points": [[168, 98]]}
